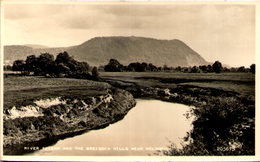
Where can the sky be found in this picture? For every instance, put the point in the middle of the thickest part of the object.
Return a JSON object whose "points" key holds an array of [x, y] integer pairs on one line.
{"points": [[217, 32]]}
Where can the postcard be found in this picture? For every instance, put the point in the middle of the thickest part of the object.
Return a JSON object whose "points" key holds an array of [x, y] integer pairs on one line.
{"points": [[129, 80]]}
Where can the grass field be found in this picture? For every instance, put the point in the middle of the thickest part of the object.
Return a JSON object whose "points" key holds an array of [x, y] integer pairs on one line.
{"points": [[19, 89], [23, 90], [242, 83]]}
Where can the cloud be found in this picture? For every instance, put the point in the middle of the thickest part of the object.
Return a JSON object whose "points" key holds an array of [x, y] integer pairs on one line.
{"points": [[109, 16], [122, 16], [215, 31], [136, 10], [130, 15], [25, 11]]}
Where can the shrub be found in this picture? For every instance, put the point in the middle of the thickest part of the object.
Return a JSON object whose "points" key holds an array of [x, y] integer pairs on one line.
{"points": [[220, 122]]}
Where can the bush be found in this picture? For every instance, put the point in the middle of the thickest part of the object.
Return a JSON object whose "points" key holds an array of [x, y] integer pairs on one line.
{"points": [[221, 122], [9, 127]]}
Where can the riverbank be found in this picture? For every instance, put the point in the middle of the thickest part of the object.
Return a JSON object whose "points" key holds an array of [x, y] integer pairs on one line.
{"points": [[224, 106], [135, 135], [57, 108]]}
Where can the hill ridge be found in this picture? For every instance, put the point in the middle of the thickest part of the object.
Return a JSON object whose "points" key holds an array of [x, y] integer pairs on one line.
{"points": [[126, 49]]}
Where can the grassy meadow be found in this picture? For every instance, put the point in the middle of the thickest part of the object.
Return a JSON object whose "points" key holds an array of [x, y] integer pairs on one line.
{"points": [[21, 90], [242, 83]]}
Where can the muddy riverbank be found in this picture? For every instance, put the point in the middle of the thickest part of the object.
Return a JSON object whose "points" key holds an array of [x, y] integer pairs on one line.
{"points": [[53, 118]]}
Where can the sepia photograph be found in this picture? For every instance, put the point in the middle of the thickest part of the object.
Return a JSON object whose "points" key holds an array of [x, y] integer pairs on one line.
{"points": [[152, 79]]}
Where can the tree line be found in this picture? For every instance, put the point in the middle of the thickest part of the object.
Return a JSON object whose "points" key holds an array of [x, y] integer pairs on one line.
{"points": [[63, 65], [115, 66]]}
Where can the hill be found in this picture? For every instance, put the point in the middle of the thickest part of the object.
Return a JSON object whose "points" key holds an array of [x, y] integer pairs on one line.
{"points": [[15, 52], [99, 50], [35, 46]]}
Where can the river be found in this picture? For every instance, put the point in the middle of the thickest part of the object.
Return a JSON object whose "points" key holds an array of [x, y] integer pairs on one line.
{"points": [[148, 127]]}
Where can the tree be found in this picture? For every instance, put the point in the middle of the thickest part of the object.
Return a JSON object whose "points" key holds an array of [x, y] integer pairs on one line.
{"points": [[137, 66], [145, 67], [203, 68], [217, 67], [95, 73], [114, 66], [195, 69], [46, 64], [7, 67], [131, 67], [209, 68], [152, 67], [63, 58], [165, 67], [241, 69], [252, 68], [19, 65], [64, 65], [82, 67], [62, 69], [31, 63]]}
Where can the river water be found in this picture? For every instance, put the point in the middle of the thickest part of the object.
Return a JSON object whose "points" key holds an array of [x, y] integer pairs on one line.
{"points": [[148, 127]]}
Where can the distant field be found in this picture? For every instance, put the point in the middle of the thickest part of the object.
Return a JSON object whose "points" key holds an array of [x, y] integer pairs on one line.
{"points": [[243, 83], [220, 76]]}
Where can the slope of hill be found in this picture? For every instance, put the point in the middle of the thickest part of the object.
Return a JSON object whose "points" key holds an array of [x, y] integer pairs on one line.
{"points": [[15, 52], [99, 50], [35, 46]]}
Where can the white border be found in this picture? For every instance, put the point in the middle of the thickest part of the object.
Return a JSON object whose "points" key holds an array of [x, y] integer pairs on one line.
{"points": [[139, 158], [1, 76]]}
